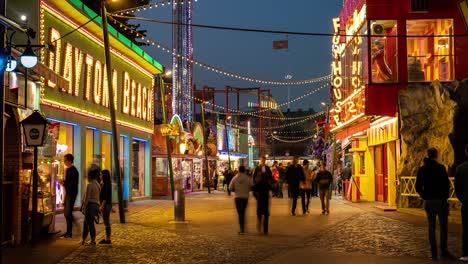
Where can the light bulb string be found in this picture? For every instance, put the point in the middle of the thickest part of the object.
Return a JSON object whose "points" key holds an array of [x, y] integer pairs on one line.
{"points": [[216, 69], [255, 113], [148, 6], [292, 141], [312, 117]]}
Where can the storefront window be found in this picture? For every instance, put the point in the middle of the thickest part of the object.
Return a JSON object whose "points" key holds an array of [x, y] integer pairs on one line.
{"points": [[138, 168], [384, 52], [430, 50], [51, 170], [106, 152]]}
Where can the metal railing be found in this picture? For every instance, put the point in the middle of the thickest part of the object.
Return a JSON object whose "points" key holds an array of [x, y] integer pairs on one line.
{"points": [[408, 187]]}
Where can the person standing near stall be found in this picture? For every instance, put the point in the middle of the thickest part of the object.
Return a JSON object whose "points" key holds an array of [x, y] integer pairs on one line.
{"points": [[105, 207], [71, 191]]}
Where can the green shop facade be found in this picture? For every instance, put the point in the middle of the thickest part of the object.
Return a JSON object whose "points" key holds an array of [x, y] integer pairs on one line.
{"points": [[75, 101]]}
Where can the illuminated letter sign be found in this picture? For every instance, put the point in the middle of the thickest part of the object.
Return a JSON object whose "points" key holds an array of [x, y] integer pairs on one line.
{"points": [[337, 81], [126, 94]]}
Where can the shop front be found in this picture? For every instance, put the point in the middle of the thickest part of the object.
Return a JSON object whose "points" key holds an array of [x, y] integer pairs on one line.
{"points": [[77, 108], [187, 159]]}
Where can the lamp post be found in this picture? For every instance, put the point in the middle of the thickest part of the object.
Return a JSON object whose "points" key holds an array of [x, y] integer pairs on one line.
{"points": [[204, 146], [228, 118], [34, 128], [115, 142]]}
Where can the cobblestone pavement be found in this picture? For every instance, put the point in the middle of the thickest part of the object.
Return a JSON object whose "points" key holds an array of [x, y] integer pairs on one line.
{"points": [[210, 235]]}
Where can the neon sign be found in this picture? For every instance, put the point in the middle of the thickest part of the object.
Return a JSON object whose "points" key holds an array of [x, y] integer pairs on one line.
{"points": [[337, 70], [82, 69]]}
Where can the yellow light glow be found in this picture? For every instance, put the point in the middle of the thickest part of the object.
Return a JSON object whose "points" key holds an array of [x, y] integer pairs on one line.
{"points": [[78, 60], [68, 68], [133, 98], [88, 76], [105, 89], [97, 84], [126, 94], [138, 103], [144, 107]]}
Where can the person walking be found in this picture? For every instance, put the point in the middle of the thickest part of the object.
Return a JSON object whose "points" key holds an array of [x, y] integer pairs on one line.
{"points": [[306, 186], [229, 177], [261, 187], [324, 179], [214, 175], [241, 185], [282, 179], [71, 191], [90, 206], [105, 208], [461, 190], [433, 185], [294, 175]]}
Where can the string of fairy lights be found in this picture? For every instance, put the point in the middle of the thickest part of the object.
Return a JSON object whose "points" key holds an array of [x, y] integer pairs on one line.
{"points": [[150, 6], [213, 68], [255, 113], [311, 117], [292, 141]]}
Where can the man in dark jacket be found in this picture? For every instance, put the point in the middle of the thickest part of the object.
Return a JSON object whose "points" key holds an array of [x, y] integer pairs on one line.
{"points": [[433, 185], [294, 175], [262, 179], [461, 189], [71, 191], [324, 180]]}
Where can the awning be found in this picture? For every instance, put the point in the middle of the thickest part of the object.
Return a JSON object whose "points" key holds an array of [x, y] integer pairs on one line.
{"points": [[354, 128]]}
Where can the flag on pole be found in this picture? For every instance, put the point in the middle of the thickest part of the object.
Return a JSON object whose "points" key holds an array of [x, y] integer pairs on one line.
{"points": [[280, 44]]}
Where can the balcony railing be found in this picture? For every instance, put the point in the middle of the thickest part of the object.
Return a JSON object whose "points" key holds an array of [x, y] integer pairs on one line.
{"points": [[408, 187]]}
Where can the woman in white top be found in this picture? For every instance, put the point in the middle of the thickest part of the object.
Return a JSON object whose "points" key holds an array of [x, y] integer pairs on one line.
{"points": [[91, 206]]}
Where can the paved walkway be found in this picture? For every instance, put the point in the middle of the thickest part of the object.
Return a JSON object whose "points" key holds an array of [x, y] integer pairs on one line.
{"points": [[351, 233]]}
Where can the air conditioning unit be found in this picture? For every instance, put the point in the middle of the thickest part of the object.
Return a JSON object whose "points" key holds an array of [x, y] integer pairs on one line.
{"points": [[377, 30], [419, 5]]}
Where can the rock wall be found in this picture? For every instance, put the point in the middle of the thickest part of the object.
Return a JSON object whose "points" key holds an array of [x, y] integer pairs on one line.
{"points": [[459, 137], [426, 114]]}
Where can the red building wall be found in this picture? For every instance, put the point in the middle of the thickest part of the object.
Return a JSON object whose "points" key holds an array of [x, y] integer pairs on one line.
{"points": [[381, 99]]}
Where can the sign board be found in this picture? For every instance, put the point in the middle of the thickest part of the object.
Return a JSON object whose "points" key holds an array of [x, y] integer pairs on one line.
{"points": [[170, 129]]}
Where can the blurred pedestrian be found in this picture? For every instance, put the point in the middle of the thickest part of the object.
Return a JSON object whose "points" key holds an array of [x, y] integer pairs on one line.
{"points": [[229, 177], [306, 186], [261, 187], [282, 179], [294, 175], [346, 174], [241, 185], [71, 191], [105, 208], [461, 189], [433, 185], [275, 174], [215, 178], [90, 206], [324, 180]]}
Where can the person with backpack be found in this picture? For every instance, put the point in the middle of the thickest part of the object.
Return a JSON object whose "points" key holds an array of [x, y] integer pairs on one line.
{"points": [[262, 179], [306, 186]]}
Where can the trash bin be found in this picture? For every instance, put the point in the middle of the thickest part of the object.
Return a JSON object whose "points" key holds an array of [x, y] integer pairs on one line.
{"points": [[179, 205]]}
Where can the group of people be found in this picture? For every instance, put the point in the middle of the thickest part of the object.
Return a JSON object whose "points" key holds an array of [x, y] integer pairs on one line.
{"points": [[433, 185], [299, 181], [96, 200]]}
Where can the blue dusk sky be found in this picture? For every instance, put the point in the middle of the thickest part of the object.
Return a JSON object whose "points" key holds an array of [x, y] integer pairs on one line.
{"points": [[252, 54]]}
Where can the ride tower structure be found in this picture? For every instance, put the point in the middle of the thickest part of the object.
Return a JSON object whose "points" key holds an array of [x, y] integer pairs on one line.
{"points": [[182, 68]]}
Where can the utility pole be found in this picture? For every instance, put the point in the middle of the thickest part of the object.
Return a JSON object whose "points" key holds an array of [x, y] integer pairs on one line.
{"points": [[115, 143], [2, 114]]}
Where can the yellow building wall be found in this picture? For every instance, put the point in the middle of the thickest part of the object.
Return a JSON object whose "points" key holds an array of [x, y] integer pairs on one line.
{"points": [[366, 177], [391, 171]]}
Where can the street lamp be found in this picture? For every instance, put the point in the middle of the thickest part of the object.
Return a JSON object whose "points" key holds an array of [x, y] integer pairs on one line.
{"points": [[115, 141], [34, 128], [228, 118]]}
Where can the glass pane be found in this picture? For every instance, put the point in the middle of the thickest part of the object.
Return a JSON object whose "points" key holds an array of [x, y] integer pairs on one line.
{"points": [[106, 152], [430, 50], [138, 168], [384, 52]]}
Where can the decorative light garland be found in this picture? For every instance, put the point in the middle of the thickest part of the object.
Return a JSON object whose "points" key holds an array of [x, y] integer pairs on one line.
{"points": [[255, 113], [215, 69], [292, 141], [312, 117], [291, 137], [148, 6]]}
